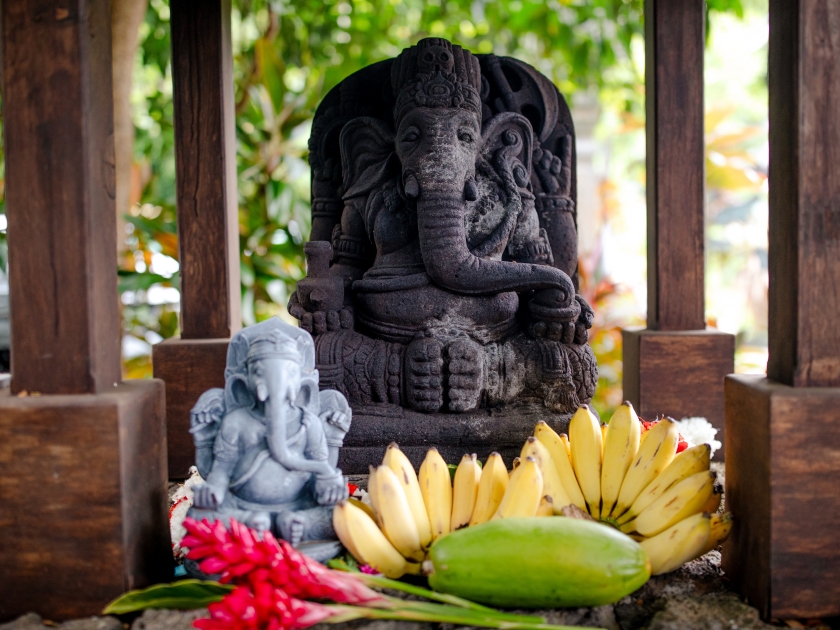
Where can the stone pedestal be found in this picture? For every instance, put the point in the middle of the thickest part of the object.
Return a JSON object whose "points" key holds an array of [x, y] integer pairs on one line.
{"points": [[189, 367], [83, 505], [678, 373], [481, 432], [782, 483]]}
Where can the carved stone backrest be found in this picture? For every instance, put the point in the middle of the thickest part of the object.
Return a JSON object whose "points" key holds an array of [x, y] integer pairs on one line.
{"points": [[507, 85]]}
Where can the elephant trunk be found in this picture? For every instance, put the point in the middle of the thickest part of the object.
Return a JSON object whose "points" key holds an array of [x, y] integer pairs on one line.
{"points": [[451, 265]]}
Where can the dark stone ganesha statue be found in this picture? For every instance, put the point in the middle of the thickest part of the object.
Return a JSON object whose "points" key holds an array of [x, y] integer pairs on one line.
{"points": [[441, 276]]}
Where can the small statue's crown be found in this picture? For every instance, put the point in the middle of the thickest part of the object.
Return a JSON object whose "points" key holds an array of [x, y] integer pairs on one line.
{"points": [[435, 73], [275, 345]]}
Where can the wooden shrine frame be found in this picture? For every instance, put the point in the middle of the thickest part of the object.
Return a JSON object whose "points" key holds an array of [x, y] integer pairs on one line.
{"points": [[84, 455]]}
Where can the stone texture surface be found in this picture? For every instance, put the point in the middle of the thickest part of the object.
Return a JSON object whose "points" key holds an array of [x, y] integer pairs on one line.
{"points": [[32, 621], [167, 619]]}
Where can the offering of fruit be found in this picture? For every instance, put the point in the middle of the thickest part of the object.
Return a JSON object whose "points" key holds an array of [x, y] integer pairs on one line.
{"points": [[637, 477], [538, 563]]}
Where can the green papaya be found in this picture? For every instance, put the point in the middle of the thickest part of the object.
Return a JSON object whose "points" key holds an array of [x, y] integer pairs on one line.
{"points": [[548, 562]]}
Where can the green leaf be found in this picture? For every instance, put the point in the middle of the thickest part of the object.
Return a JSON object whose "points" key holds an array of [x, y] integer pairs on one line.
{"points": [[182, 595]]}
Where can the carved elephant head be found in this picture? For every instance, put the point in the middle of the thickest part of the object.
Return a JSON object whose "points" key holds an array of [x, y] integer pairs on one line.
{"points": [[434, 153]]}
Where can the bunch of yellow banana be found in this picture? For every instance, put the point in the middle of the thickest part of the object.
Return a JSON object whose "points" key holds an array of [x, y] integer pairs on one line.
{"points": [[641, 485], [635, 482], [408, 512]]}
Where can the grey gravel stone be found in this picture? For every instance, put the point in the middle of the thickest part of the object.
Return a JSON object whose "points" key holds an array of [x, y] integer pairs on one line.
{"points": [[32, 621], [168, 619], [723, 611]]}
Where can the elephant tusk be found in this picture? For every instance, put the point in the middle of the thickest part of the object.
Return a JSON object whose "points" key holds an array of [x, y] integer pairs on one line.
{"points": [[411, 186]]}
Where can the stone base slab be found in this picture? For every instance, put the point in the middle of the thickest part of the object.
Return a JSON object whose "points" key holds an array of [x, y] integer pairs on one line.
{"points": [[678, 374], [783, 487], [481, 432], [83, 499]]}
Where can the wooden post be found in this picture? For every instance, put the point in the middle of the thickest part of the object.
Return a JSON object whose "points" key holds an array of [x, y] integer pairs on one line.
{"points": [[676, 367], [83, 489], [205, 153], [783, 432]]}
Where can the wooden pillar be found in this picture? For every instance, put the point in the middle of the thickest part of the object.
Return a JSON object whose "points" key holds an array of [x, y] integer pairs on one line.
{"points": [[783, 432], [83, 500], [676, 367], [208, 232]]}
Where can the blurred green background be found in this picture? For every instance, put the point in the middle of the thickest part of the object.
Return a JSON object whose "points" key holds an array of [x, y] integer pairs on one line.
{"points": [[289, 54]]}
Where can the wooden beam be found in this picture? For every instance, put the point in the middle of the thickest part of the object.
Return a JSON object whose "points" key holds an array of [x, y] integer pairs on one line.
{"points": [[678, 374], [674, 44], [205, 154], [782, 432], [83, 496], [60, 188], [804, 254]]}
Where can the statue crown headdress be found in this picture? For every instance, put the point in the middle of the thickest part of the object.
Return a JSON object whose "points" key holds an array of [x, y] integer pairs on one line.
{"points": [[435, 73], [276, 345]]}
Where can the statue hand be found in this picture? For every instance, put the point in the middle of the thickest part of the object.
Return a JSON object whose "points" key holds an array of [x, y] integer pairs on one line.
{"points": [[330, 490], [553, 315], [208, 497], [317, 322], [337, 419], [584, 321]]}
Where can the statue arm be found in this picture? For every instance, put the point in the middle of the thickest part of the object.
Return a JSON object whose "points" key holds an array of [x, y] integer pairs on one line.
{"points": [[351, 244], [225, 455], [529, 242]]}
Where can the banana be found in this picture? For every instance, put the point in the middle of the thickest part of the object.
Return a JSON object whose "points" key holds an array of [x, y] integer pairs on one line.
{"points": [[678, 544], [604, 428], [514, 465], [560, 454], [678, 502], [464, 491], [374, 498], [366, 542], [491, 489], [397, 520], [565, 439], [524, 492], [620, 446], [585, 438], [721, 525], [691, 461], [396, 460], [436, 488], [714, 501], [546, 507], [656, 451], [362, 506], [552, 486]]}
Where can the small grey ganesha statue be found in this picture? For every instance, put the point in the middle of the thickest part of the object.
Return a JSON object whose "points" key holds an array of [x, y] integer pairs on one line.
{"points": [[267, 444]]}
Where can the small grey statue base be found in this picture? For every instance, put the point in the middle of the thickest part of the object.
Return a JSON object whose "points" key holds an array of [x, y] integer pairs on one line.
{"points": [[268, 443]]}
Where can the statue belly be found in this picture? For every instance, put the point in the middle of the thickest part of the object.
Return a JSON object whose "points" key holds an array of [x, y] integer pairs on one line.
{"points": [[274, 485], [399, 315]]}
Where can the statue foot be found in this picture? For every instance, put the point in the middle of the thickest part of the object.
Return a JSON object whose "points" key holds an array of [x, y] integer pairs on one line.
{"points": [[291, 526], [423, 363], [260, 521], [465, 378]]}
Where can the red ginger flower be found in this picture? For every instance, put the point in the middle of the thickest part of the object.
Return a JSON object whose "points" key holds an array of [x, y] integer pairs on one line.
{"points": [[263, 607], [244, 558]]}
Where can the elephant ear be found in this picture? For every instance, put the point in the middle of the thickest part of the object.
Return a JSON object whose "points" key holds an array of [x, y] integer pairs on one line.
{"points": [[367, 155], [512, 133]]}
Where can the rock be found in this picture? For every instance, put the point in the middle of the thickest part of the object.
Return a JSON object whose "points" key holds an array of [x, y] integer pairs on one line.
{"points": [[32, 621], [380, 624], [168, 619], [600, 617], [724, 611]]}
